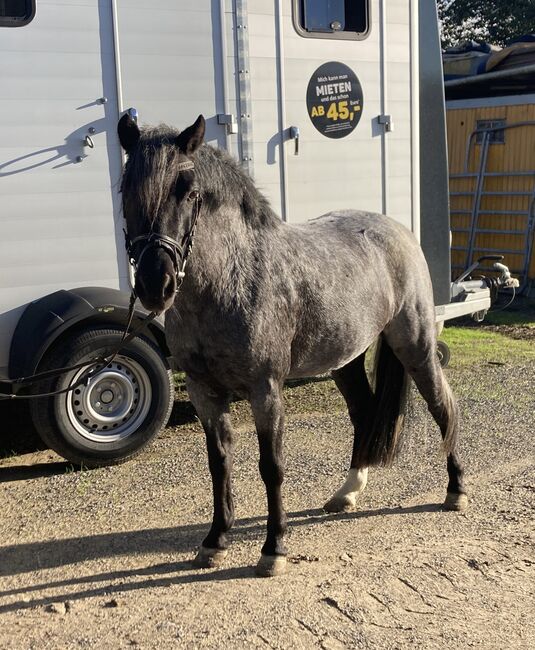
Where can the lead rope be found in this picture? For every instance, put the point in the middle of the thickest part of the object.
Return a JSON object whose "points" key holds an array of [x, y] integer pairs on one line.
{"points": [[95, 365]]}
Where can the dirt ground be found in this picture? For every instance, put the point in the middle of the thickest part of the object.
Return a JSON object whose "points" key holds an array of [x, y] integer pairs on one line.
{"points": [[103, 558]]}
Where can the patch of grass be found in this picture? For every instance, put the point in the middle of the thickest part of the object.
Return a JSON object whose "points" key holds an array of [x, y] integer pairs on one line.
{"points": [[315, 395], [469, 346], [84, 480]]}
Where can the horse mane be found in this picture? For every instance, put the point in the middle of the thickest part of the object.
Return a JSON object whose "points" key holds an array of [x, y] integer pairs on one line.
{"points": [[153, 168]]}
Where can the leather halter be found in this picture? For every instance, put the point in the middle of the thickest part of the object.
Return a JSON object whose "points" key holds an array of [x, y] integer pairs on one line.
{"points": [[178, 252]]}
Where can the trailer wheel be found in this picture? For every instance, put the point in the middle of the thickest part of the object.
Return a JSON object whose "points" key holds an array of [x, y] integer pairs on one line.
{"points": [[443, 353], [118, 413]]}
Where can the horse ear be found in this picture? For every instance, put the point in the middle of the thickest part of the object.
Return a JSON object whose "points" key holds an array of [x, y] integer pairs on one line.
{"points": [[128, 132], [191, 138]]}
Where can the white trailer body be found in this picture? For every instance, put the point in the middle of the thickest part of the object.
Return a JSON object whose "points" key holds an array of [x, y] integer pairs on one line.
{"points": [[61, 222], [247, 60], [261, 72]]}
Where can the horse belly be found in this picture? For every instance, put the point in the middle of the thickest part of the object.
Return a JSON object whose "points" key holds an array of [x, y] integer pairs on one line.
{"points": [[320, 355]]}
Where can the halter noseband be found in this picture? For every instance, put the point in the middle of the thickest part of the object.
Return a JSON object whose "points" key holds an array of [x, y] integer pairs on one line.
{"points": [[179, 253]]}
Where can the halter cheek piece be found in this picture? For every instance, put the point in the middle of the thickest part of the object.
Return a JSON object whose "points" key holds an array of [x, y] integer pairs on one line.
{"points": [[178, 252]]}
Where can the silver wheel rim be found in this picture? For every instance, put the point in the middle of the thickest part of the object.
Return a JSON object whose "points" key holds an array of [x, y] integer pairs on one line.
{"points": [[113, 405]]}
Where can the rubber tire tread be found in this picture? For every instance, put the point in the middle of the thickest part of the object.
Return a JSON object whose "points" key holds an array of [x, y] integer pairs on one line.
{"points": [[69, 351]]}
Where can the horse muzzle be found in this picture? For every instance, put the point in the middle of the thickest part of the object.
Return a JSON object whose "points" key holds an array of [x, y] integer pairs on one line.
{"points": [[156, 280]]}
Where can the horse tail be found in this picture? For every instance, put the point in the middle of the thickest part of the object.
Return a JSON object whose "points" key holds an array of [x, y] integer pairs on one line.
{"points": [[450, 407], [382, 440]]}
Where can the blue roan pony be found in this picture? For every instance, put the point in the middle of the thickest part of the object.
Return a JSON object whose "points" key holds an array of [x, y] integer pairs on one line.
{"points": [[263, 301]]}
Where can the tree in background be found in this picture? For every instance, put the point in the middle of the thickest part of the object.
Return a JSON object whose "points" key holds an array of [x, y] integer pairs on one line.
{"points": [[493, 21]]}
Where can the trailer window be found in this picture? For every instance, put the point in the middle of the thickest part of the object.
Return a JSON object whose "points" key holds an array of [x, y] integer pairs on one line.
{"points": [[16, 13], [332, 18]]}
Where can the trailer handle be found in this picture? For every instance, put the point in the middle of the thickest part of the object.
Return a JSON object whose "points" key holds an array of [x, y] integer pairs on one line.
{"points": [[294, 135]]}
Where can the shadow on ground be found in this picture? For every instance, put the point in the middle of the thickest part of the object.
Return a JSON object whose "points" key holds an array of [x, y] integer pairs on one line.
{"points": [[39, 556], [18, 435], [35, 470], [24, 558], [182, 413]]}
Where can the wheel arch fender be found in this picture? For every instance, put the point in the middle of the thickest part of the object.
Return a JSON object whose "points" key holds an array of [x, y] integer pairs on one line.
{"points": [[45, 321]]}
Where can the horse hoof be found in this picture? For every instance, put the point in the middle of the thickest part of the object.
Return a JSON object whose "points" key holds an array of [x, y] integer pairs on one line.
{"points": [[456, 501], [209, 558], [342, 503], [271, 565]]}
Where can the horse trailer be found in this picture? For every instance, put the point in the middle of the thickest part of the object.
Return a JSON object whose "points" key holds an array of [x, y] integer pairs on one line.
{"points": [[327, 105]]}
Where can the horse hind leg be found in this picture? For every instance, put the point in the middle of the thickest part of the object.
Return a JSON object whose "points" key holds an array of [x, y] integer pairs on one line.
{"points": [[417, 350], [353, 383]]}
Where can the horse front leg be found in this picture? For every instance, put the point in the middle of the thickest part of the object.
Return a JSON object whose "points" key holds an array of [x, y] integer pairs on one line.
{"points": [[213, 411], [268, 412]]}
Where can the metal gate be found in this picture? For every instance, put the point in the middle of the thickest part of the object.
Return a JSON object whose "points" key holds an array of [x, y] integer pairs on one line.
{"points": [[493, 210]]}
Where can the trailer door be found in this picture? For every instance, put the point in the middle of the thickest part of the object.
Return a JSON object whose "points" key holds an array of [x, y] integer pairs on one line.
{"points": [[339, 75], [173, 61], [330, 68], [345, 76], [59, 156]]}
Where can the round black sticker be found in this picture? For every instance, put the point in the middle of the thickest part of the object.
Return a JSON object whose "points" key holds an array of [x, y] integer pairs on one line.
{"points": [[334, 99]]}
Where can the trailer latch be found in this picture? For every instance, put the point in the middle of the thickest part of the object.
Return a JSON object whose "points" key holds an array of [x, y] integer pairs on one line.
{"points": [[386, 122]]}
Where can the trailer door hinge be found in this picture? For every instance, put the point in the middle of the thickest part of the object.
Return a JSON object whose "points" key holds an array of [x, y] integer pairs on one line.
{"points": [[230, 122]]}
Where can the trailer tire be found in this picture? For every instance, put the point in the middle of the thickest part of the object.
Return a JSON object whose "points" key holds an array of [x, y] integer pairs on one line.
{"points": [[443, 353], [118, 413]]}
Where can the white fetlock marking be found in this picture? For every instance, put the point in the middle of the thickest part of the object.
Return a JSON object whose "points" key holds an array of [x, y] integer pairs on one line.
{"points": [[355, 482]]}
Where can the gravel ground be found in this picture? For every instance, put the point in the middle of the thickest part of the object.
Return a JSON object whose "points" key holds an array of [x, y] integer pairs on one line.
{"points": [[102, 558]]}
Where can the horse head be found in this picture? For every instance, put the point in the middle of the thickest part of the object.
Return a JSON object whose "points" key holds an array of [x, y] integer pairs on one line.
{"points": [[161, 204]]}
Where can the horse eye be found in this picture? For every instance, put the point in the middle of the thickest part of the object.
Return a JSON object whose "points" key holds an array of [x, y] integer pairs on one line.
{"points": [[193, 195]]}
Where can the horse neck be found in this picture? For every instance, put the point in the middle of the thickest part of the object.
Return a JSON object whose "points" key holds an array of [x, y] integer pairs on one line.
{"points": [[236, 227], [226, 253]]}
